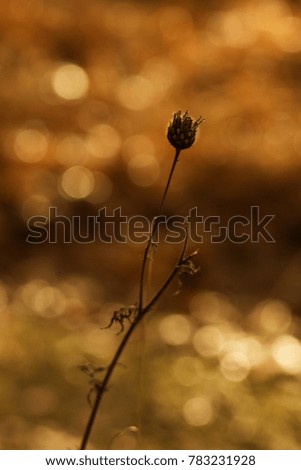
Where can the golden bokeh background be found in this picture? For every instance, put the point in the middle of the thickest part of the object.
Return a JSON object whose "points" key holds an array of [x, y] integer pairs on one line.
{"points": [[87, 89]]}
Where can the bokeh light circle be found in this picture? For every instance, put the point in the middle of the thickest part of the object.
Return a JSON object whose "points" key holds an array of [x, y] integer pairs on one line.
{"points": [[143, 169], [77, 182], [70, 82], [175, 329], [30, 145], [198, 411]]}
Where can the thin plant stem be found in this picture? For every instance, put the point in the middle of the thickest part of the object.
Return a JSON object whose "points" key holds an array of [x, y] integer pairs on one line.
{"points": [[153, 232], [176, 158], [145, 287], [101, 389], [181, 135]]}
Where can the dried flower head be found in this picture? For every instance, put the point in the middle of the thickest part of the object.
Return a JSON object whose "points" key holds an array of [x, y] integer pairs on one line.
{"points": [[182, 130]]}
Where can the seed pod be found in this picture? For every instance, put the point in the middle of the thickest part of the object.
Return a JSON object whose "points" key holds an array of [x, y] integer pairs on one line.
{"points": [[182, 130]]}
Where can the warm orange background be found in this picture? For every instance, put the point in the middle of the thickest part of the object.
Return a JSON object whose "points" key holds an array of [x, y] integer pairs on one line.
{"points": [[87, 90]]}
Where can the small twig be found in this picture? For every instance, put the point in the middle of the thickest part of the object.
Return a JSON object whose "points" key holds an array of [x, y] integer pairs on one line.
{"points": [[176, 270]]}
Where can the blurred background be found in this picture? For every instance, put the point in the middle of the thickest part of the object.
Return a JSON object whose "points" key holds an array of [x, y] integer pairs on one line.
{"points": [[87, 90]]}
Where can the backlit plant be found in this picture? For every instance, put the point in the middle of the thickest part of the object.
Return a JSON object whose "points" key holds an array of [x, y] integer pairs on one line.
{"points": [[181, 134]]}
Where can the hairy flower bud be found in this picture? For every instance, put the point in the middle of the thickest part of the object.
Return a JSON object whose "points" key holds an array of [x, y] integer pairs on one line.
{"points": [[182, 130]]}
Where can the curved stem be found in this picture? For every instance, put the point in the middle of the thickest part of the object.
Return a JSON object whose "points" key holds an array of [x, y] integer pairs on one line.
{"points": [[176, 158], [153, 232]]}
